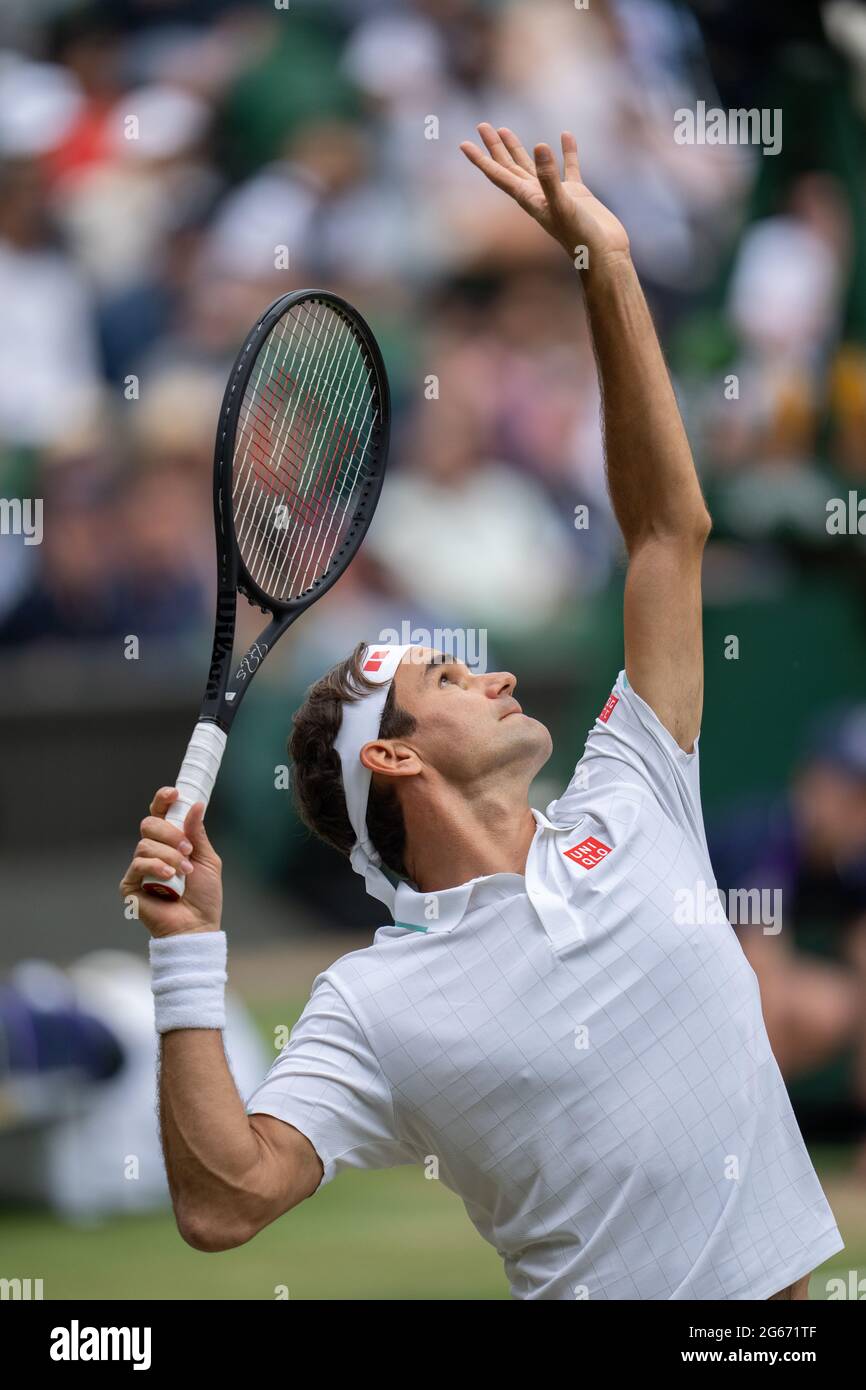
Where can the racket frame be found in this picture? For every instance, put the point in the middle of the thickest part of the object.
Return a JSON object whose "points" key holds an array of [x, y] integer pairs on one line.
{"points": [[227, 683]]}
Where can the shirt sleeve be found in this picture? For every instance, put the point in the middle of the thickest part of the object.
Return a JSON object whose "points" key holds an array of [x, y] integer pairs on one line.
{"points": [[328, 1084], [629, 746]]}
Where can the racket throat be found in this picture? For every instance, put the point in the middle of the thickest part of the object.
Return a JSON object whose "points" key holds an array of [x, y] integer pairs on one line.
{"points": [[223, 642]]}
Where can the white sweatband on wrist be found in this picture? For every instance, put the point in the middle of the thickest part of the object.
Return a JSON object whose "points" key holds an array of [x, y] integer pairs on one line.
{"points": [[188, 979]]}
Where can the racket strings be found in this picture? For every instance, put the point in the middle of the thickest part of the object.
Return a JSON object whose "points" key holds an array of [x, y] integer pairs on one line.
{"points": [[340, 479], [294, 446], [337, 475], [267, 405], [262, 407], [303, 440], [297, 441]]}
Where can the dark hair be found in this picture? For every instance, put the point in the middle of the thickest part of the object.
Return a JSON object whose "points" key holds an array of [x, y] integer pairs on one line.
{"points": [[317, 778]]}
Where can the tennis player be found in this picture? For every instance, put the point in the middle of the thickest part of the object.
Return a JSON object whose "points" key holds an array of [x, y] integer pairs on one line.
{"points": [[539, 1028]]}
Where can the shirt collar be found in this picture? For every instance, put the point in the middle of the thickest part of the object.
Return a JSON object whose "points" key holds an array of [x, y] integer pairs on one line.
{"points": [[445, 910]]}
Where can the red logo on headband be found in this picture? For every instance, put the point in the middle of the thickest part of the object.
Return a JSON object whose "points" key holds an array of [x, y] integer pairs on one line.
{"points": [[374, 661], [612, 702], [588, 853]]}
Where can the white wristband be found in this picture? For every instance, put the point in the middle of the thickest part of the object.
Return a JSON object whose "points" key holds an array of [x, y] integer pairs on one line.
{"points": [[188, 978]]}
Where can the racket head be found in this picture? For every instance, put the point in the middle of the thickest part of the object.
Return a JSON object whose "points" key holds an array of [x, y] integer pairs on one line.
{"points": [[301, 451]]}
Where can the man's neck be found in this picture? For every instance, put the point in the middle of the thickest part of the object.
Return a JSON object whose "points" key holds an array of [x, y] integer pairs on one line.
{"points": [[451, 839]]}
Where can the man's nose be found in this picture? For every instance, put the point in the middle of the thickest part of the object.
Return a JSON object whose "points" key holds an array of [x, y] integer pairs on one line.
{"points": [[500, 683]]}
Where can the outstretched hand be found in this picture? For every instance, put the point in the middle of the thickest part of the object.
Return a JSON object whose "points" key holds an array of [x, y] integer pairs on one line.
{"points": [[563, 206]]}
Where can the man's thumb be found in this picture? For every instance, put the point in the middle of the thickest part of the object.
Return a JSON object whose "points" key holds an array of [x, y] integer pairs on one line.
{"points": [[196, 834]]}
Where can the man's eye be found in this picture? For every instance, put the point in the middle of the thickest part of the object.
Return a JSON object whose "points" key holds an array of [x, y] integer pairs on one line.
{"points": [[444, 677]]}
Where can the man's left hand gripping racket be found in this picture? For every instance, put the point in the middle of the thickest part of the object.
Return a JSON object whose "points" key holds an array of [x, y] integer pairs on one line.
{"points": [[300, 457]]}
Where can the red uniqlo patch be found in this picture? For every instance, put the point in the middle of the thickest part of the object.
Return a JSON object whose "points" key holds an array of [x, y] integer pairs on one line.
{"points": [[612, 702], [374, 661], [588, 853]]}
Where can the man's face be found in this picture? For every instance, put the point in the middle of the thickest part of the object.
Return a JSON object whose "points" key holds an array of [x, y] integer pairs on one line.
{"points": [[468, 726]]}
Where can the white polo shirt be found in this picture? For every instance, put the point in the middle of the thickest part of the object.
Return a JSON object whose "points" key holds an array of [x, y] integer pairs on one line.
{"points": [[590, 1072]]}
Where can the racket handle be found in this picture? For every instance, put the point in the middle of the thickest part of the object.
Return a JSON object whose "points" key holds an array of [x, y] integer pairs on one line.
{"points": [[195, 782]]}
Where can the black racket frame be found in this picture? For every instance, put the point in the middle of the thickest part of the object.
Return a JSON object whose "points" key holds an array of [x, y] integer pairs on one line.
{"points": [[227, 684]]}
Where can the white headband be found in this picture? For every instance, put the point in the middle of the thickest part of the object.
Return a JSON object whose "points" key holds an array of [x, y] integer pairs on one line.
{"points": [[360, 724]]}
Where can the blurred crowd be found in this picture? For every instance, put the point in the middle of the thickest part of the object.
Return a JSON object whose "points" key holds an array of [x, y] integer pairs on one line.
{"points": [[167, 169]]}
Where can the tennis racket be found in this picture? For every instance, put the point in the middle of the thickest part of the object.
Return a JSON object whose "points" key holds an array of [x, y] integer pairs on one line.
{"points": [[300, 457]]}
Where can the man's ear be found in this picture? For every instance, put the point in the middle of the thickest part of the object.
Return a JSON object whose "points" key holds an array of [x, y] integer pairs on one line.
{"points": [[391, 757]]}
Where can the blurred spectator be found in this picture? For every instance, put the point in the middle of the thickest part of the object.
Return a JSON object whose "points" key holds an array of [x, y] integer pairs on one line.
{"points": [[847, 399], [809, 847], [293, 80], [321, 206], [116, 560], [118, 211], [87, 46], [48, 358], [78, 1067], [148, 309], [464, 532]]}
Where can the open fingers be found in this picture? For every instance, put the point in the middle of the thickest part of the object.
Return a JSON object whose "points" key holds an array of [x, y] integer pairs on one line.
{"points": [[569, 155], [498, 149], [548, 176], [506, 179], [516, 150]]}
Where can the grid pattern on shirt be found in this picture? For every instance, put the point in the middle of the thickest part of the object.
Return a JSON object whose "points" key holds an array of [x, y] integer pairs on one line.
{"points": [[604, 1168], [607, 1169]]}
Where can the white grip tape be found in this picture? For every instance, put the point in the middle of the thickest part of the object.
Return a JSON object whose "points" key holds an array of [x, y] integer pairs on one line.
{"points": [[195, 782]]}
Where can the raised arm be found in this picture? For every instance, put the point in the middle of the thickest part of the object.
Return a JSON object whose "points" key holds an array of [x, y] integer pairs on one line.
{"points": [[653, 486]]}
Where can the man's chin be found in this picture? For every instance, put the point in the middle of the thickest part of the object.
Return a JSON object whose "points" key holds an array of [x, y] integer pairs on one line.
{"points": [[528, 731], [528, 721]]}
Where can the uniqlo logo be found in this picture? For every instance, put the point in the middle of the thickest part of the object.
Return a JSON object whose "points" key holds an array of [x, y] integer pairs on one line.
{"points": [[613, 701], [374, 661], [588, 853]]}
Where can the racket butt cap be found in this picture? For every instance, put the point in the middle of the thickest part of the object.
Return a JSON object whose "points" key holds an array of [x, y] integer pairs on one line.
{"points": [[171, 891]]}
